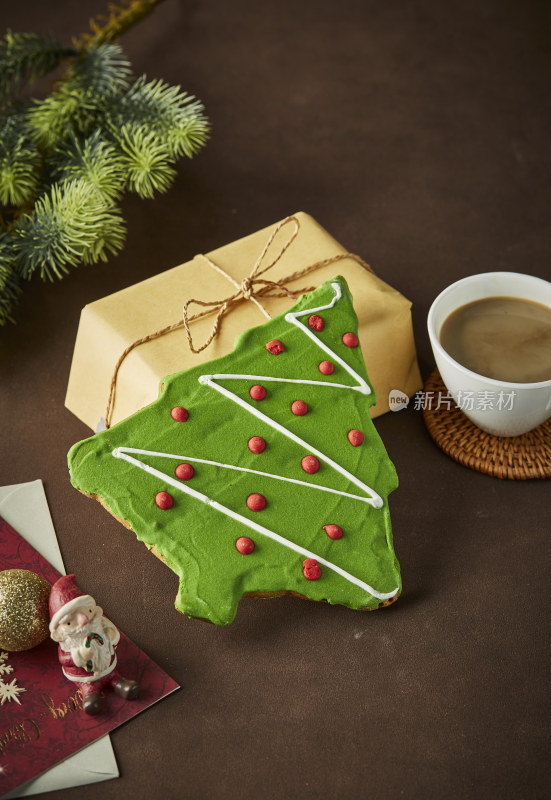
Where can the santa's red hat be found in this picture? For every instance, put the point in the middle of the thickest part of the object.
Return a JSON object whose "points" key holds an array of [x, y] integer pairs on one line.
{"points": [[65, 596]]}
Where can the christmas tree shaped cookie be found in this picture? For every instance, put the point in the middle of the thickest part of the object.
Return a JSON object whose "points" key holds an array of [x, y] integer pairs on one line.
{"points": [[259, 473]]}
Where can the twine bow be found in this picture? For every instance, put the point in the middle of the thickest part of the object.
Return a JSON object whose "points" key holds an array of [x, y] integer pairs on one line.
{"points": [[251, 288]]}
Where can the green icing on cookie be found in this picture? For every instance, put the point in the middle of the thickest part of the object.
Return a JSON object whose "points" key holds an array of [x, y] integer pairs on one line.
{"points": [[132, 464]]}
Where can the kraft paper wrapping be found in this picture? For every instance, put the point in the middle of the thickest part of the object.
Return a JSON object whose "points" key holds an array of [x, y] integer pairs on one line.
{"points": [[109, 325]]}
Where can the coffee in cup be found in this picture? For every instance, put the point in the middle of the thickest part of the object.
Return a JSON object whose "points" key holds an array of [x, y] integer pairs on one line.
{"points": [[505, 338], [508, 388]]}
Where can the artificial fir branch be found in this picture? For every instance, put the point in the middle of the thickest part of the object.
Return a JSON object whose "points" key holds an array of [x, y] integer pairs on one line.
{"points": [[71, 224], [145, 159], [67, 159], [19, 163], [174, 115], [102, 70], [27, 56], [10, 287], [93, 160], [93, 78]]}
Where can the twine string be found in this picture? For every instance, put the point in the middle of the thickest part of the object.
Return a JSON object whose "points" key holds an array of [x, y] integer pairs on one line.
{"points": [[250, 288]]}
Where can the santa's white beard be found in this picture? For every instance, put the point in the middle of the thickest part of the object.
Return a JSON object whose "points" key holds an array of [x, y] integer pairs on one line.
{"points": [[98, 654]]}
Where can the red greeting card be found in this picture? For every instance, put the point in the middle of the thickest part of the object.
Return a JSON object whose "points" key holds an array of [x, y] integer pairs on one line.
{"points": [[41, 716]]}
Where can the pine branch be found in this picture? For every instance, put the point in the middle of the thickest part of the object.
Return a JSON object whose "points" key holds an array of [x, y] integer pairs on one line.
{"points": [[121, 18], [101, 70], [70, 225], [27, 56], [20, 163], [52, 120], [93, 79], [92, 160], [67, 159], [175, 116], [10, 288], [145, 160]]}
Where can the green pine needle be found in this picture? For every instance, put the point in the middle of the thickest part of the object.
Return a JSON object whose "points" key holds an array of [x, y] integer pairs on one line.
{"points": [[66, 160], [27, 56], [19, 163], [10, 288], [96, 76], [145, 159], [175, 116], [103, 71], [70, 225], [93, 160], [52, 120]]}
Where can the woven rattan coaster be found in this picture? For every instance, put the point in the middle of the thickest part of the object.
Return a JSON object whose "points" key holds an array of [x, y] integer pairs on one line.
{"points": [[517, 457]]}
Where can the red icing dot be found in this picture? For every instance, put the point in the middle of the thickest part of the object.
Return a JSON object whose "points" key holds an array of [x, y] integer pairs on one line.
{"points": [[326, 367], [275, 347], [164, 500], [257, 392], [299, 408], [179, 414], [244, 545], [256, 502], [311, 569], [256, 444], [315, 322], [355, 437], [350, 339], [333, 531], [184, 472], [310, 464]]}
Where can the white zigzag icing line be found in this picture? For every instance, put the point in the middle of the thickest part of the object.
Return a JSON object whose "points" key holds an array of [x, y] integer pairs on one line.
{"points": [[195, 460], [292, 317], [374, 499], [123, 454]]}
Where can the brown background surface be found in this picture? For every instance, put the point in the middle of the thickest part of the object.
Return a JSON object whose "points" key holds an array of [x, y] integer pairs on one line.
{"points": [[418, 135]]}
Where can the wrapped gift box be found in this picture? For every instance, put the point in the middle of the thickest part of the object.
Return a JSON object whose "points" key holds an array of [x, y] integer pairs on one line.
{"points": [[108, 326]]}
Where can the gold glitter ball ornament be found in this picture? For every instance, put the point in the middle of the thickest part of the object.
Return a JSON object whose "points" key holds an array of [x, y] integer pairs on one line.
{"points": [[24, 615]]}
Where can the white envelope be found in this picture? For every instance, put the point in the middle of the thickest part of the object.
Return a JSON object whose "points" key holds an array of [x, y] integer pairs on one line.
{"points": [[25, 508]]}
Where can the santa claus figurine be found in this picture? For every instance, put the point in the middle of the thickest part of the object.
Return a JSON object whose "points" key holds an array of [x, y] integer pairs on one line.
{"points": [[87, 642]]}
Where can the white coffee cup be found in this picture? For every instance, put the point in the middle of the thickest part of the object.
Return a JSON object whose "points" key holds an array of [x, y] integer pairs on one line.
{"points": [[516, 407]]}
